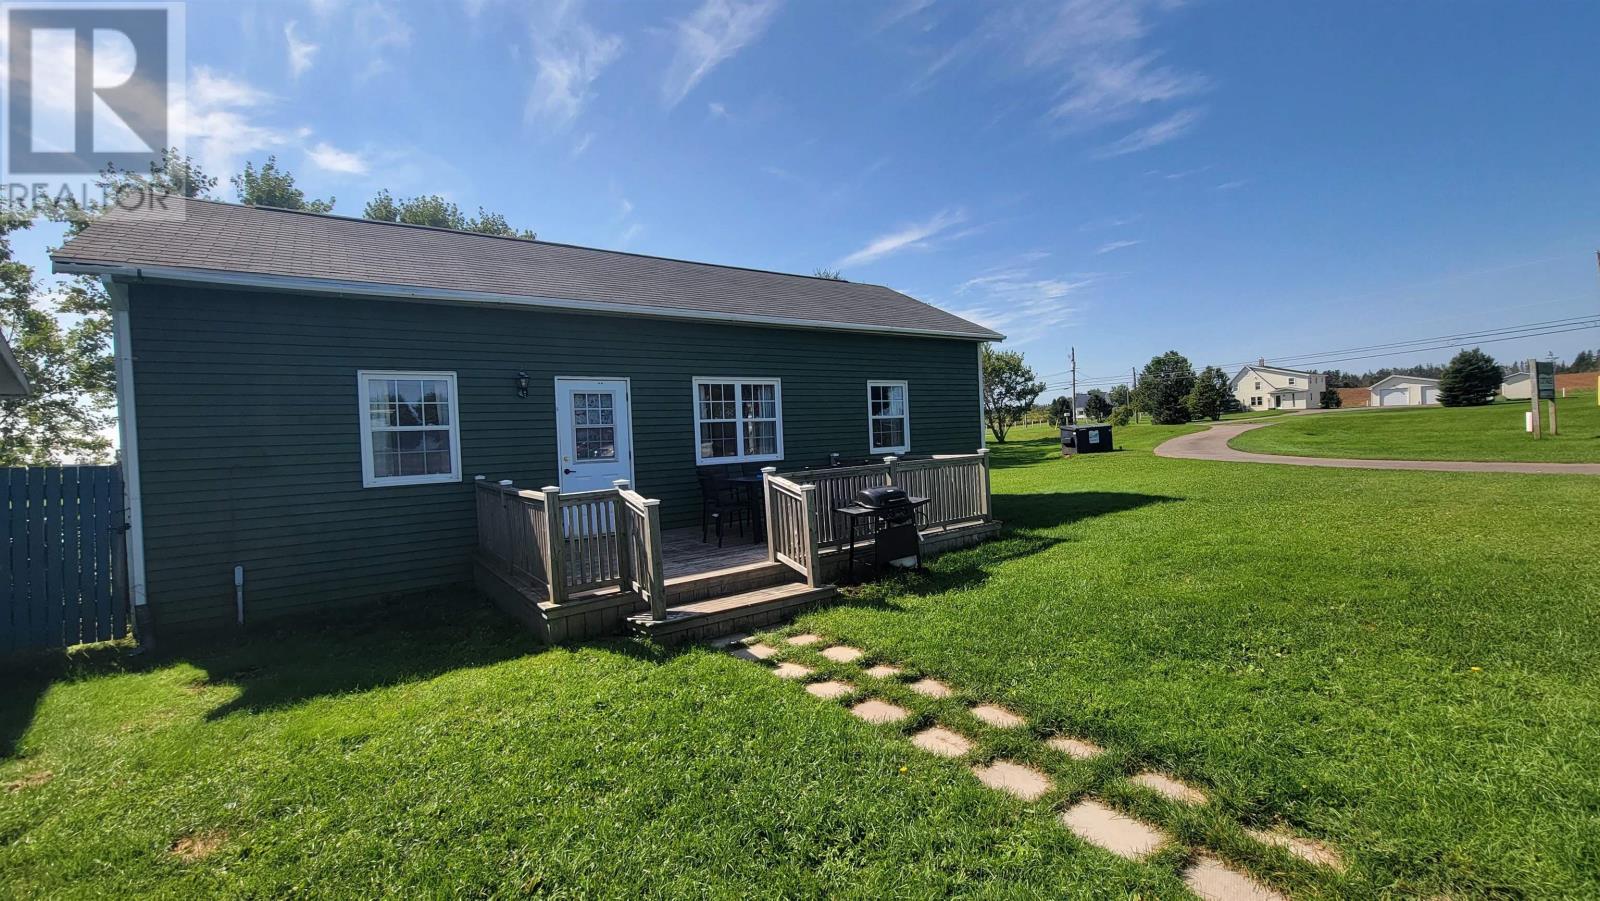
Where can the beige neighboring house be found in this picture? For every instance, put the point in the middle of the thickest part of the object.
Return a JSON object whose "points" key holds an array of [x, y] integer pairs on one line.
{"points": [[1517, 386], [12, 382], [1405, 391], [1263, 387]]}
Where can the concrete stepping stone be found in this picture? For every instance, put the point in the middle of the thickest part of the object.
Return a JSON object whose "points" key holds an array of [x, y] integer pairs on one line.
{"points": [[1308, 850], [1075, 748], [728, 641], [998, 717], [792, 671], [830, 689], [1214, 880], [1024, 782], [841, 653], [1169, 787], [884, 671], [943, 742], [931, 688], [757, 651], [875, 711], [805, 640], [1118, 833]]}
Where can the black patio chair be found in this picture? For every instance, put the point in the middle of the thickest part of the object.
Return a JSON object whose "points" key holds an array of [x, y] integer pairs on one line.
{"points": [[720, 502]]}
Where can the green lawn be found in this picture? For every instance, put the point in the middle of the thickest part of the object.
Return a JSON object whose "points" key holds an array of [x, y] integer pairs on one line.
{"points": [[1494, 432], [1406, 665]]}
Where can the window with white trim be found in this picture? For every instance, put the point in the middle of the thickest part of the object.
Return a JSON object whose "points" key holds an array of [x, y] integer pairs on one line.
{"points": [[738, 420], [888, 417], [409, 428]]}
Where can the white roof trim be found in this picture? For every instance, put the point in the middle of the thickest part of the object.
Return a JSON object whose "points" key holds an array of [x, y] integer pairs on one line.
{"points": [[9, 365], [1420, 379], [249, 280]]}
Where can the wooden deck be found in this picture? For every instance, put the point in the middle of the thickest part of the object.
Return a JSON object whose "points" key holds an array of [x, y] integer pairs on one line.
{"points": [[685, 555]]}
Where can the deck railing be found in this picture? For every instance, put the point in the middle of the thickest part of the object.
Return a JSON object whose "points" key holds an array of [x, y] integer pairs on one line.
{"points": [[956, 485], [569, 544], [791, 510]]}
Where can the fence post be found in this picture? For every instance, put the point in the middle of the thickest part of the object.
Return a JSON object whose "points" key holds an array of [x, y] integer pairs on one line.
{"points": [[767, 472], [555, 548], [652, 550], [888, 474], [808, 495], [624, 521], [983, 459]]}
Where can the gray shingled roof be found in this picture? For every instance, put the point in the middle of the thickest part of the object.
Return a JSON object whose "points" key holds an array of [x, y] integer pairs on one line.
{"points": [[229, 238]]}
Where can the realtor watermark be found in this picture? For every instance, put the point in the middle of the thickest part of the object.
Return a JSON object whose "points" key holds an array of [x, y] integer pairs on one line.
{"points": [[89, 87]]}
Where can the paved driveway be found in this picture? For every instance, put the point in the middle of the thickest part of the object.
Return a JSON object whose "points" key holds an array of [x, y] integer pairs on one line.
{"points": [[1212, 444]]}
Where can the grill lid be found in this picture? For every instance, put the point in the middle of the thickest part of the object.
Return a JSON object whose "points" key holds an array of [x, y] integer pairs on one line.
{"points": [[883, 496]]}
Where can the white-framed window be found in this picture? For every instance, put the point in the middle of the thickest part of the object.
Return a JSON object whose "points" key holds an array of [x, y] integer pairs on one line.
{"points": [[1291, 380], [888, 417], [410, 430], [737, 420]]}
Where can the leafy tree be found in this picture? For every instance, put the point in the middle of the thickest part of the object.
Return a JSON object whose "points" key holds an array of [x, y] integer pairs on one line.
{"points": [[433, 210], [1331, 399], [1060, 411], [832, 274], [1163, 389], [1097, 407], [1120, 396], [1585, 361], [1122, 415], [1209, 396], [1009, 390], [68, 366], [1471, 379], [1338, 378], [174, 174], [272, 186]]}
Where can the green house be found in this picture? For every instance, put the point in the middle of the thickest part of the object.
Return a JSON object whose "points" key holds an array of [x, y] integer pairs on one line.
{"points": [[324, 408]]}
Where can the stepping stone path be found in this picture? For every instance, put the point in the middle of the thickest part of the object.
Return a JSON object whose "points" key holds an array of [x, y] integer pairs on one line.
{"points": [[756, 651], [841, 653], [792, 671], [1118, 833], [1213, 880], [1091, 820], [831, 689], [1169, 787], [1072, 747], [998, 717], [941, 741], [880, 712], [1306, 849], [1025, 782]]}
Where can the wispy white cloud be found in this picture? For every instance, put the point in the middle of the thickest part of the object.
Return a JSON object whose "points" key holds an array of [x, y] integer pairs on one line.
{"points": [[326, 156], [1110, 246], [1153, 135], [1015, 301], [302, 53], [906, 238], [379, 30], [716, 31], [717, 110], [223, 122], [1106, 89], [1234, 185], [582, 144], [568, 55]]}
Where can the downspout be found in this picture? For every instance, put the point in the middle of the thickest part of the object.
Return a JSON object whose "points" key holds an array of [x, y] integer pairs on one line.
{"points": [[983, 421], [128, 437]]}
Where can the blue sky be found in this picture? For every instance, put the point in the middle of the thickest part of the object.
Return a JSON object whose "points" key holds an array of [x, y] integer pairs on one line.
{"points": [[1229, 179]]}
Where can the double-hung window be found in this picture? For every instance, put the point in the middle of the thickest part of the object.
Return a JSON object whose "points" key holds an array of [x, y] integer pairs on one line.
{"points": [[738, 420], [888, 417], [410, 434]]}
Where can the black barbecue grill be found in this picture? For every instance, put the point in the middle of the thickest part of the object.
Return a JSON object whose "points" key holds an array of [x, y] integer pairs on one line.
{"points": [[891, 516]]}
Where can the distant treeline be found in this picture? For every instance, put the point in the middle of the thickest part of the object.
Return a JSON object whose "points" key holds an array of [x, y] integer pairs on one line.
{"points": [[1585, 361]]}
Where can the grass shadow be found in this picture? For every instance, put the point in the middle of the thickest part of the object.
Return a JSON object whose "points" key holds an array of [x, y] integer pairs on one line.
{"points": [[1024, 452], [27, 677]]}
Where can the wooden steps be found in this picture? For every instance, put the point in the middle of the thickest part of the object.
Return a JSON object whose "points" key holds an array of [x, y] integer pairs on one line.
{"points": [[719, 615]]}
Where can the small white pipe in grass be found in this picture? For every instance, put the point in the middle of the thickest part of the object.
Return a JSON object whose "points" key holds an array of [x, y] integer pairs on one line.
{"points": [[238, 591]]}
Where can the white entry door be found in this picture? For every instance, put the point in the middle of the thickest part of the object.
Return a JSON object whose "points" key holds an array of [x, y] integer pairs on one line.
{"points": [[594, 433]]}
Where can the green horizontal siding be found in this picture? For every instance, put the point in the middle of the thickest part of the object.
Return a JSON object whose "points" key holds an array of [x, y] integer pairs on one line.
{"points": [[249, 438]]}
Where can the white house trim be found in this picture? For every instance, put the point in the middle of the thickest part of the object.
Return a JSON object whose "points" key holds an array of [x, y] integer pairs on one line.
{"points": [[368, 478], [905, 392], [128, 437], [737, 380]]}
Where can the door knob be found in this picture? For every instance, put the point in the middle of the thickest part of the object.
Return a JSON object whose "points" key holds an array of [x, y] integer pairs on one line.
{"points": [[568, 472]]}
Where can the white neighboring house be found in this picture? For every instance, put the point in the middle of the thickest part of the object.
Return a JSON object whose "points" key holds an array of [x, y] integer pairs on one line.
{"points": [[1405, 391], [1263, 387], [1517, 386], [12, 382]]}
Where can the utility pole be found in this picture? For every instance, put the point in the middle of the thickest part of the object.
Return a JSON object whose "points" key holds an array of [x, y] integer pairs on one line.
{"points": [[1133, 383], [1072, 405]]}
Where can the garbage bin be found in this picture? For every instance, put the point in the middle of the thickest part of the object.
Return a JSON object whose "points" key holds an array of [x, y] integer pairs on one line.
{"points": [[1087, 439]]}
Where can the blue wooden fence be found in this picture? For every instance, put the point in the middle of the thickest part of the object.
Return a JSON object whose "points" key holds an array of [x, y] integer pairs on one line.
{"points": [[61, 549]]}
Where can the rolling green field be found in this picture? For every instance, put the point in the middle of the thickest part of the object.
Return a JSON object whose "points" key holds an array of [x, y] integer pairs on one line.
{"points": [[1491, 433], [1403, 664]]}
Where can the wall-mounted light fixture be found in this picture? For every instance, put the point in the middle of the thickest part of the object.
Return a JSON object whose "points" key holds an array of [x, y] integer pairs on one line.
{"points": [[522, 384]]}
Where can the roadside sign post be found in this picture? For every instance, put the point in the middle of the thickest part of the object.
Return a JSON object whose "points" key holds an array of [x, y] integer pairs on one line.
{"points": [[1544, 388]]}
